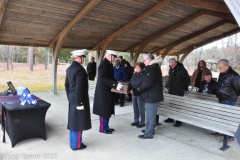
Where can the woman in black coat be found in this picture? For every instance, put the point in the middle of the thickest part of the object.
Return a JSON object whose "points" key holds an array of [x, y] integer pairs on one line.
{"points": [[76, 85], [138, 102], [103, 104]]}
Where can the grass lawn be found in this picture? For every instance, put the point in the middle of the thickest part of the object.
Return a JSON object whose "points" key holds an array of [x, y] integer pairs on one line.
{"points": [[36, 81]]}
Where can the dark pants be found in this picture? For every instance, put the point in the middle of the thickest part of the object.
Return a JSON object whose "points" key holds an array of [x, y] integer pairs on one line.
{"points": [[75, 139], [119, 96], [91, 77], [104, 124]]}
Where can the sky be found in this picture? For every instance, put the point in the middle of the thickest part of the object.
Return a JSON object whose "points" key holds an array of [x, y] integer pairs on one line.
{"points": [[219, 42]]}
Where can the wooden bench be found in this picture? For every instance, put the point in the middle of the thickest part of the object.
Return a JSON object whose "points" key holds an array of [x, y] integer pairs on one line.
{"points": [[91, 88], [202, 113], [208, 97]]}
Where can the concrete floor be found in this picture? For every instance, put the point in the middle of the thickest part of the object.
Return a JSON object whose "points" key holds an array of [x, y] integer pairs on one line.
{"points": [[169, 143]]}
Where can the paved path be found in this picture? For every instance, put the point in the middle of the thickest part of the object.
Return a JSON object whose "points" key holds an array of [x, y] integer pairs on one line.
{"points": [[169, 143]]}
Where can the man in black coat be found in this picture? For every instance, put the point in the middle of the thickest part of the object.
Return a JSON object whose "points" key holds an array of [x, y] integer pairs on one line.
{"points": [[152, 92], [103, 104], [91, 69], [76, 85], [177, 83], [208, 85], [228, 88]]}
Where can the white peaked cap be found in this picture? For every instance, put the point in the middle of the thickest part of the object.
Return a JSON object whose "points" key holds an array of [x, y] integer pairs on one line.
{"points": [[79, 52], [114, 53]]}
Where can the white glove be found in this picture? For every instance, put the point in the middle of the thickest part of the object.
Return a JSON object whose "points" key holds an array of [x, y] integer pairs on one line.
{"points": [[80, 107], [119, 86]]}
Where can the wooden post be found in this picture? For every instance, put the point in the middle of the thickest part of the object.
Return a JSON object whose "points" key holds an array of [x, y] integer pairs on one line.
{"points": [[186, 54], [131, 57], [56, 51]]}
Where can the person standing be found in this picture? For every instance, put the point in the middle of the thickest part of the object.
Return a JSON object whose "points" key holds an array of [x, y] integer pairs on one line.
{"points": [[103, 104], [76, 85], [198, 74], [152, 92], [138, 102], [120, 74], [91, 69], [177, 83], [208, 85], [228, 88], [130, 71]]}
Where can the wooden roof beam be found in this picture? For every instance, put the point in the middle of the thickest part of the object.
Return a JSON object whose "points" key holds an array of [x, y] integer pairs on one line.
{"points": [[210, 5], [234, 31], [131, 24], [144, 43], [3, 6], [174, 44], [75, 20]]}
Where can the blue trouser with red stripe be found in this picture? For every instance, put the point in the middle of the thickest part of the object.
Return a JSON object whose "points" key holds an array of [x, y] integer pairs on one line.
{"points": [[75, 139], [104, 124]]}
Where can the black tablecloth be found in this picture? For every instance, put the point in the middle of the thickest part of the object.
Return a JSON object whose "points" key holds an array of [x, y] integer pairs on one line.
{"points": [[23, 121]]}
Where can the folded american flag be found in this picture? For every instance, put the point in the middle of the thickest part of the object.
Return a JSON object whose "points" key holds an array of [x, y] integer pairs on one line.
{"points": [[28, 97]]}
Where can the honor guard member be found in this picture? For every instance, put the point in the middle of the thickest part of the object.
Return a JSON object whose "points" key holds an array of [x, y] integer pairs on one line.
{"points": [[103, 98], [76, 85]]}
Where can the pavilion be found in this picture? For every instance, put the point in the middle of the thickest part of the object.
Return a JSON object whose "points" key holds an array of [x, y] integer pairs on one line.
{"points": [[161, 27]]}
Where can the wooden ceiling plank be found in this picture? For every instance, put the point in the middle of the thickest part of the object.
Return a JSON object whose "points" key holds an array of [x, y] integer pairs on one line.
{"points": [[222, 15], [144, 43], [76, 20], [131, 24], [174, 44], [3, 5], [210, 5]]}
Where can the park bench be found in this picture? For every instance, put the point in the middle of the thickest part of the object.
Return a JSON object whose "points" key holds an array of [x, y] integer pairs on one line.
{"points": [[202, 113]]}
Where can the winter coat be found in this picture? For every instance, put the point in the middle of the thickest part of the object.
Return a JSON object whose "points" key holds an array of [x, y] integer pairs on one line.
{"points": [[103, 104], [151, 83], [195, 73], [76, 85], [228, 88], [120, 73], [135, 82], [91, 69], [212, 86], [178, 80]]}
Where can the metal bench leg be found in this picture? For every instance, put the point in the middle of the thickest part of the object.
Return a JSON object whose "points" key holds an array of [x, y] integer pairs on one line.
{"points": [[225, 143], [157, 121]]}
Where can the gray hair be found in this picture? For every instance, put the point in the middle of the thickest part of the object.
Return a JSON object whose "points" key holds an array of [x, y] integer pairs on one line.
{"points": [[225, 62], [150, 56], [172, 60]]}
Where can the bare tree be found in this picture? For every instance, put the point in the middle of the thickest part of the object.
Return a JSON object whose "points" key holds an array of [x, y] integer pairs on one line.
{"points": [[30, 58]]}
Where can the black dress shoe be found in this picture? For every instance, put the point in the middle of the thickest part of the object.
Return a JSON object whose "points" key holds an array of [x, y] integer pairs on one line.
{"points": [[107, 132], [140, 125], [83, 146], [169, 120], [143, 137], [134, 124], [143, 131], [111, 129], [178, 124]]}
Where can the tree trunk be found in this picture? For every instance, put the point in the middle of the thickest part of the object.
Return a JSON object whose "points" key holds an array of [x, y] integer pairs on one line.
{"points": [[11, 48], [47, 59], [7, 56], [30, 58]]}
